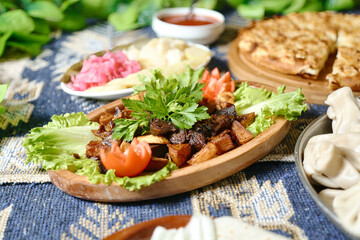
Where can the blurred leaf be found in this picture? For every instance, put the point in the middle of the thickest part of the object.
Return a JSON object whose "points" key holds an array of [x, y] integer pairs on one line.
{"points": [[32, 48], [254, 11], [209, 4], [30, 37], [275, 6], [126, 20], [295, 6], [73, 22], [41, 26], [312, 6], [3, 40], [45, 10], [147, 12], [16, 21], [235, 3], [6, 5], [98, 8], [66, 4], [339, 4]]}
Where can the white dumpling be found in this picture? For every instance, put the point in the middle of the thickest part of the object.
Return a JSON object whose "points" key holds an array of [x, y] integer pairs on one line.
{"points": [[344, 110], [327, 196], [346, 206], [333, 160]]}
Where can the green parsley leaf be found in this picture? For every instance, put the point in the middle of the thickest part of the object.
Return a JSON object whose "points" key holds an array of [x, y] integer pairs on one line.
{"points": [[174, 99]]}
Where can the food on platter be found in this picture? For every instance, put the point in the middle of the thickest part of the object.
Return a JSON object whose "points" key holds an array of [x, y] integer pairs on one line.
{"points": [[173, 117], [301, 44], [120, 67], [97, 71], [202, 227], [333, 160]]}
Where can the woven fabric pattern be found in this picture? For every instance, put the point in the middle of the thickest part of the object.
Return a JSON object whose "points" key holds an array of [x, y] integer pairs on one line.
{"points": [[268, 194]]}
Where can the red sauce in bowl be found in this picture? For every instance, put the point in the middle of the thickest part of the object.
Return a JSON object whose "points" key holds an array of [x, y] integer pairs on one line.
{"points": [[193, 20]]}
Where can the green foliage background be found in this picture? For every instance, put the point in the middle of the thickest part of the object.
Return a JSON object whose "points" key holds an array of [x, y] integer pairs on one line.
{"points": [[26, 25]]}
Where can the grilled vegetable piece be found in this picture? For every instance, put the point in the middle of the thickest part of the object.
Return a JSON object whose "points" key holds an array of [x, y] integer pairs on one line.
{"points": [[247, 119], [223, 142], [179, 153], [240, 134], [151, 139], [207, 152]]}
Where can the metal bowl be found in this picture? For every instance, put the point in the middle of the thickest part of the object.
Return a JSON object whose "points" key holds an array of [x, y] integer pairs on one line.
{"points": [[321, 125]]}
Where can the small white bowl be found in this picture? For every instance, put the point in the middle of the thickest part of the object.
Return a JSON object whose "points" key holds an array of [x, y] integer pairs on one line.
{"points": [[203, 34]]}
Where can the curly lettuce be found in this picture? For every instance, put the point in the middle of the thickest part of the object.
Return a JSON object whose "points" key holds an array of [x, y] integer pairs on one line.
{"points": [[267, 104]]}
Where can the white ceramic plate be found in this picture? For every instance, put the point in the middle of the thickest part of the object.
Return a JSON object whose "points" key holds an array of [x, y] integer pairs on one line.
{"points": [[98, 95], [113, 95]]}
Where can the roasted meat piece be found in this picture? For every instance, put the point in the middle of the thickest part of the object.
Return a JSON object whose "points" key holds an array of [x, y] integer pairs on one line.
{"points": [[178, 137], [160, 127], [197, 140], [156, 164]]}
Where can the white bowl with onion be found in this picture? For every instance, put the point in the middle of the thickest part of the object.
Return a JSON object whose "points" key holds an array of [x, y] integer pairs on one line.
{"points": [[203, 26]]}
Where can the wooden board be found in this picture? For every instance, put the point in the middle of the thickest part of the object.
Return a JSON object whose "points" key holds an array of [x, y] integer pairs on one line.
{"points": [[315, 91], [181, 180]]}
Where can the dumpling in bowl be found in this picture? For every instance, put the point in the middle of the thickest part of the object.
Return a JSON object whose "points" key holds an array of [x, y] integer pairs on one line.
{"points": [[344, 110], [333, 160], [346, 205]]}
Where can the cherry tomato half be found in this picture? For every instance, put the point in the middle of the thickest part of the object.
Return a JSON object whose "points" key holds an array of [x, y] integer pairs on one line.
{"points": [[129, 163]]}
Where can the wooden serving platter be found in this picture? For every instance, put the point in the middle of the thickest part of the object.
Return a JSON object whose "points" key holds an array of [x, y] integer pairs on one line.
{"points": [[315, 91], [181, 180], [144, 230]]}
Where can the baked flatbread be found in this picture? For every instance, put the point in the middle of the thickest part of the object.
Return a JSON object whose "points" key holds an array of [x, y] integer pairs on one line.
{"points": [[346, 69], [282, 46], [300, 44]]}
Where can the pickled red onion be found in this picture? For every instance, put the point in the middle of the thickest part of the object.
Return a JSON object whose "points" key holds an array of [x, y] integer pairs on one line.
{"points": [[97, 71]]}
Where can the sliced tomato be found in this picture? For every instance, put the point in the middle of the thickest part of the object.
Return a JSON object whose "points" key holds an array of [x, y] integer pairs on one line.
{"points": [[216, 84], [129, 163], [215, 73]]}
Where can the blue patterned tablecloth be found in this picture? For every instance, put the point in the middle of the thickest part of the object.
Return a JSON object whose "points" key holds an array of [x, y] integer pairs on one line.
{"points": [[267, 194]]}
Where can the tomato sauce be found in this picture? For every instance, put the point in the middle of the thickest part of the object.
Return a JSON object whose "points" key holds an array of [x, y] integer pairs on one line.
{"points": [[193, 20]]}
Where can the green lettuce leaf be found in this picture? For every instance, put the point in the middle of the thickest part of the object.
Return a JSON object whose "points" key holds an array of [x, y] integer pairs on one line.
{"points": [[267, 105], [55, 144], [3, 88], [129, 183]]}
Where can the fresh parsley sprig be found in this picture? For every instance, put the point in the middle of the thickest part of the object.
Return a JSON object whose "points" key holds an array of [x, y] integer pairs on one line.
{"points": [[174, 99]]}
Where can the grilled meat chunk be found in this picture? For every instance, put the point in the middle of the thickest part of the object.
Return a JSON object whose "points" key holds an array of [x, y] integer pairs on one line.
{"points": [[156, 163], [197, 140], [159, 150], [229, 111], [178, 137], [160, 127]]}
